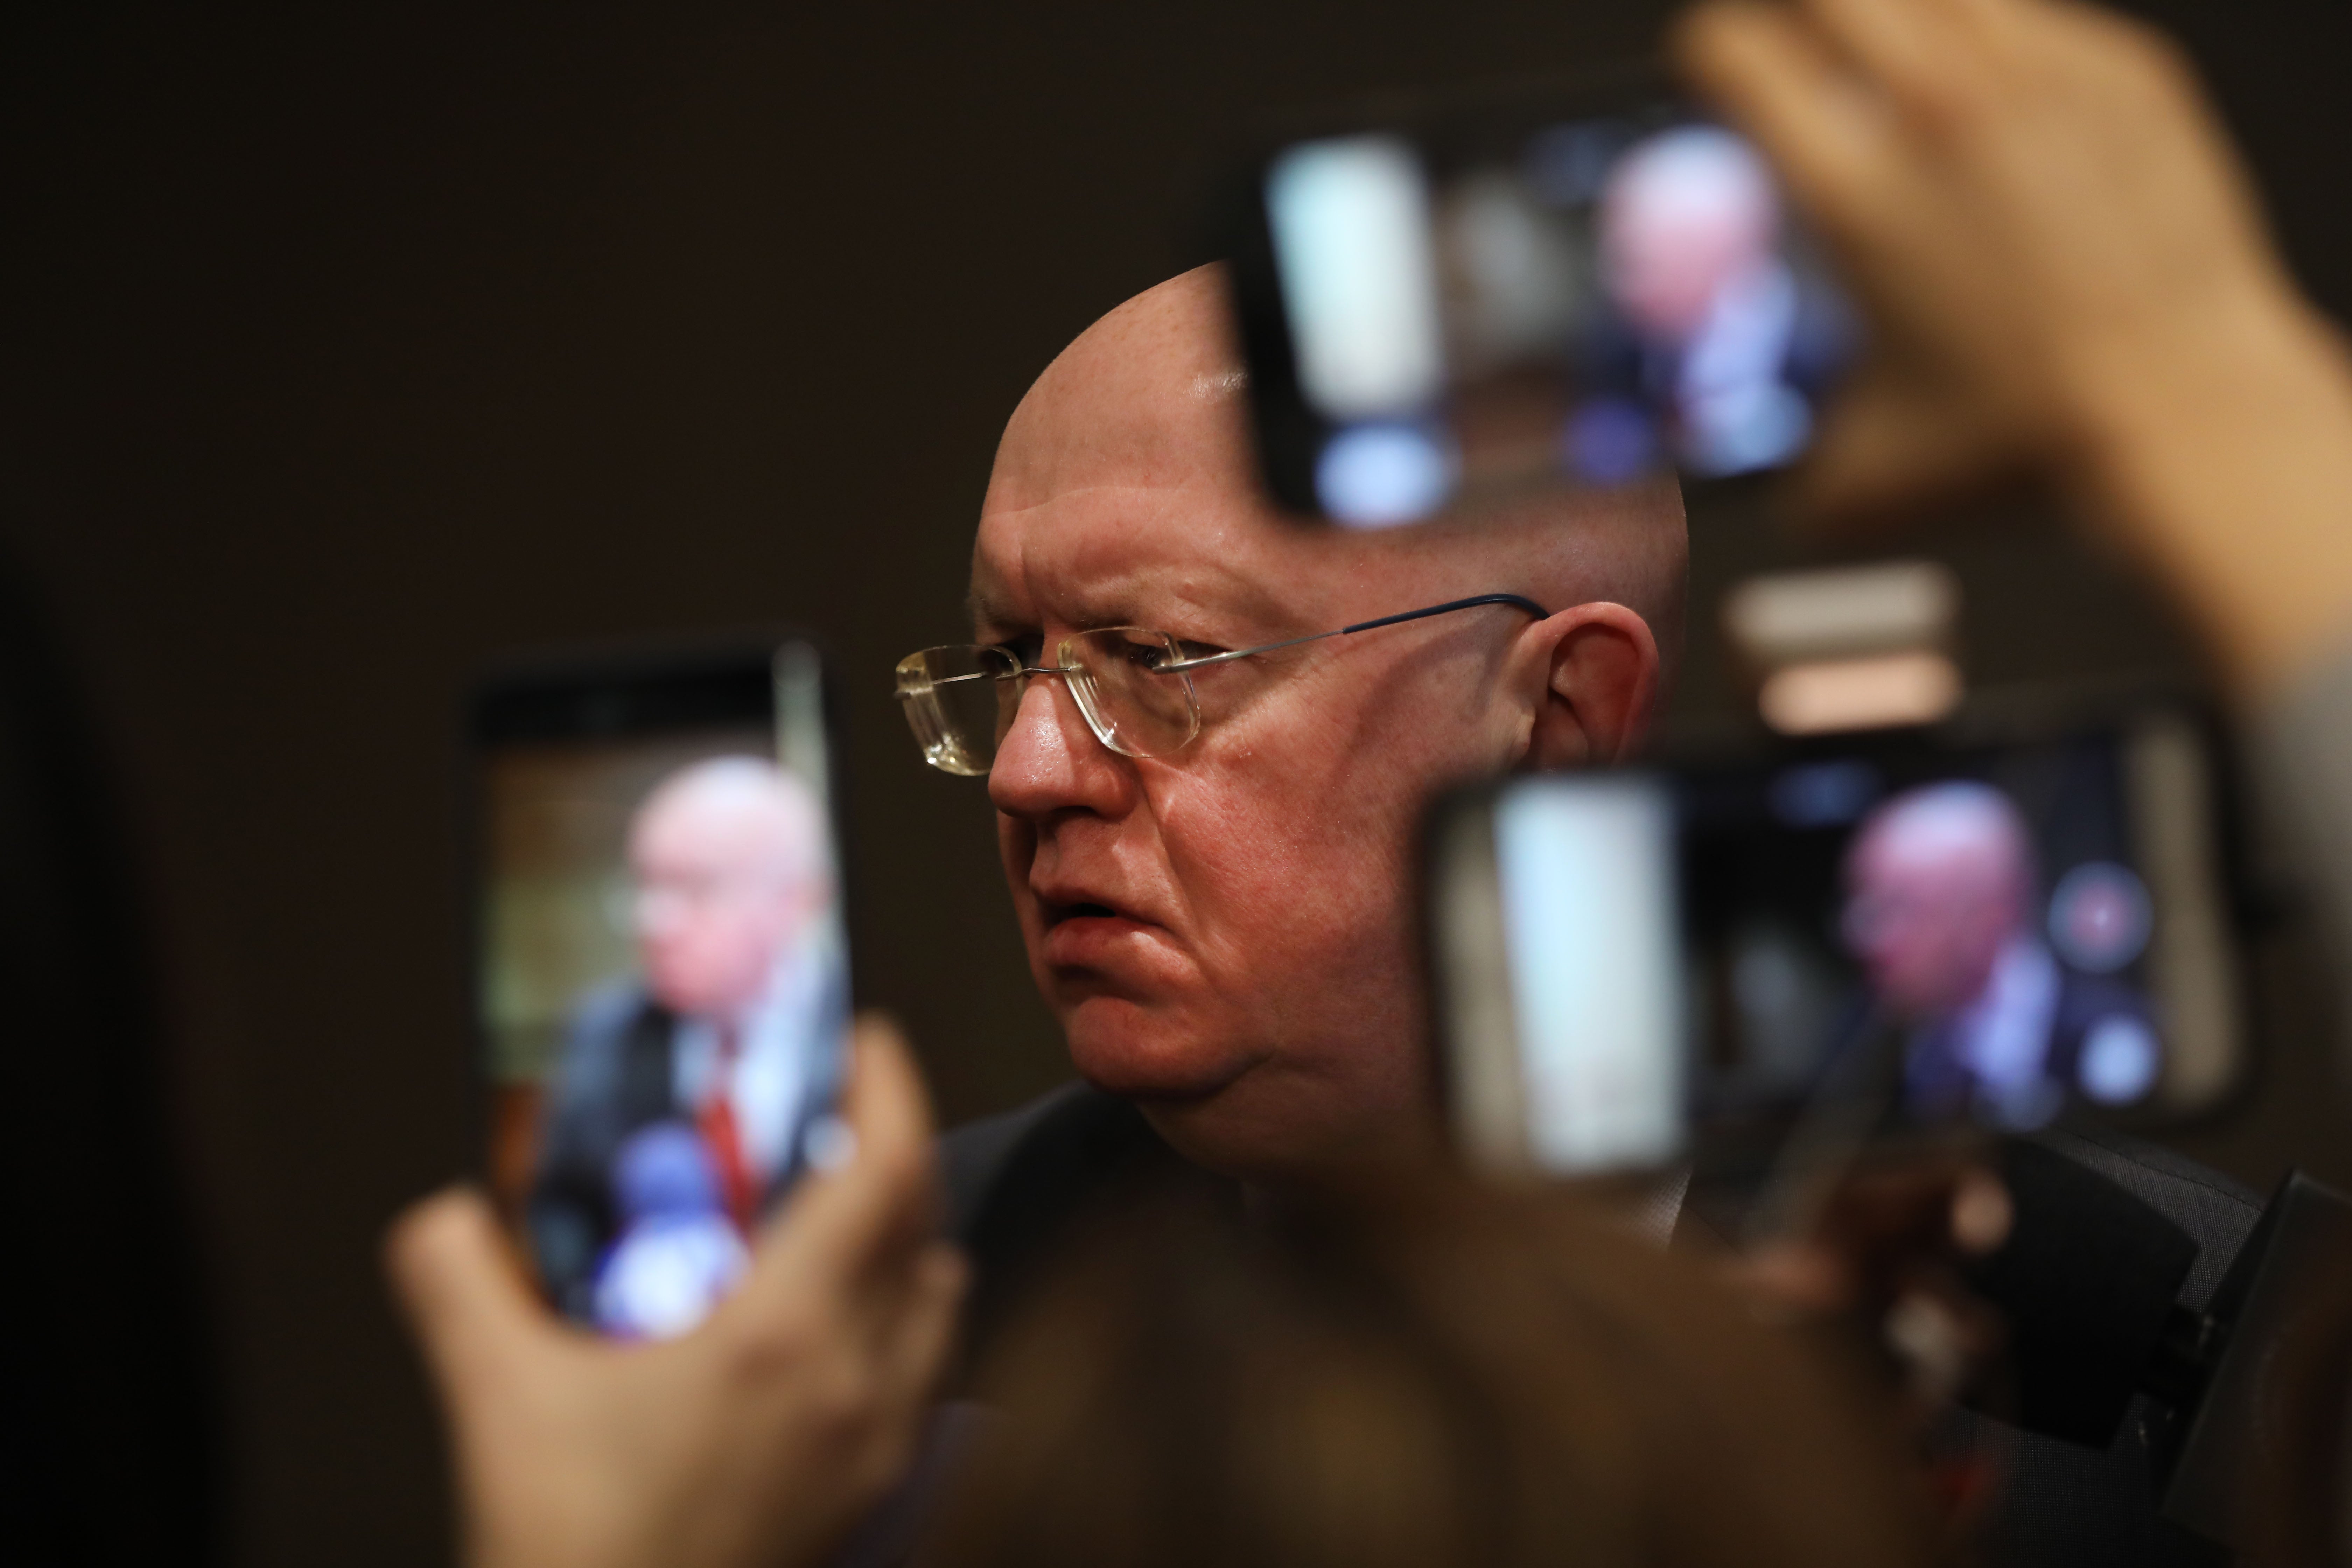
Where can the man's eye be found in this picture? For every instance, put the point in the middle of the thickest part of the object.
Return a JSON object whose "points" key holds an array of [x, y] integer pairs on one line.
{"points": [[1148, 653]]}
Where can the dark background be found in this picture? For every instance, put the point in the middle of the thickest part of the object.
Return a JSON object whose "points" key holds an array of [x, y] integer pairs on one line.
{"points": [[348, 348]]}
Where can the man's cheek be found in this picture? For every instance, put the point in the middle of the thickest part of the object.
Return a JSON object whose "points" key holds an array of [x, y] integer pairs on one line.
{"points": [[1016, 851], [1284, 925], [1016, 848]]}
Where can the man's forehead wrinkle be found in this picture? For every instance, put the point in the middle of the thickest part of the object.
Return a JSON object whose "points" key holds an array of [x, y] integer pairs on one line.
{"points": [[1071, 445], [984, 610], [1098, 559], [1107, 578], [1110, 495], [1142, 485]]}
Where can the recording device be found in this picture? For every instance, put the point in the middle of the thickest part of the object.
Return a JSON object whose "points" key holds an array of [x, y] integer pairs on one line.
{"points": [[1998, 922], [663, 992], [2089, 1283], [2219, 1376], [1586, 287]]}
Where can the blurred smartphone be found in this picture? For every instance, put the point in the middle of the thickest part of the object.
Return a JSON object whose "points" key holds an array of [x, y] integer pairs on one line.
{"points": [[663, 969], [1445, 311], [1906, 932]]}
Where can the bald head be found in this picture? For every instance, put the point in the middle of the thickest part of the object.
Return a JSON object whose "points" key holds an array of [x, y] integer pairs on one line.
{"points": [[731, 863], [1150, 399]]}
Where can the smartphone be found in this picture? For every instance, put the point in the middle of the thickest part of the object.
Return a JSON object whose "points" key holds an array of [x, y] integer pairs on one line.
{"points": [[1446, 310], [1907, 930], [664, 984]]}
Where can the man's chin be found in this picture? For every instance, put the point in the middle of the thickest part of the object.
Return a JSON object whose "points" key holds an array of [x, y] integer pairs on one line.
{"points": [[1234, 1109], [1137, 1053]]}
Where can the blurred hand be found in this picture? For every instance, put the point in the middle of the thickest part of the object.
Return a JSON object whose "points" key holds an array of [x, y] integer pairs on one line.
{"points": [[1887, 1249], [2065, 272], [761, 1437], [2031, 200], [1885, 1254]]}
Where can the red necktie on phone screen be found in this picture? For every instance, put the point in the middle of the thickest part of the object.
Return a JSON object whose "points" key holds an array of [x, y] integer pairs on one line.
{"points": [[717, 1122]]}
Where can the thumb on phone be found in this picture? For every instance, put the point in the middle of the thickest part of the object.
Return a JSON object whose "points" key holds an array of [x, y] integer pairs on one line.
{"points": [[877, 1209], [459, 1286]]}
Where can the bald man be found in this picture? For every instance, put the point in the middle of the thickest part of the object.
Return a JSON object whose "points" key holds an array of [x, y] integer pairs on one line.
{"points": [[1941, 896], [1227, 928], [732, 1028]]}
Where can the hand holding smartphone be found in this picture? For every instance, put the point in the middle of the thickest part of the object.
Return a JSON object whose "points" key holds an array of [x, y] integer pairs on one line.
{"points": [[766, 1435]]}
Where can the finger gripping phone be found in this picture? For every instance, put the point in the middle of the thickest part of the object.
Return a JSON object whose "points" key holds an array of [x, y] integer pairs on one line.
{"points": [[664, 985]]}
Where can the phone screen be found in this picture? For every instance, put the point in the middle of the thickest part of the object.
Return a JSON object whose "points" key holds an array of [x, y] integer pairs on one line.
{"points": [[1587, 884], [1938, 935], [664, 987], [1456, 314]]}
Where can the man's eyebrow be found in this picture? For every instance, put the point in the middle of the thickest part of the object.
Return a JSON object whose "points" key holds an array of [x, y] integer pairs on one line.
{"points": [[1118, 601], [981, 610], [1235, 603]]}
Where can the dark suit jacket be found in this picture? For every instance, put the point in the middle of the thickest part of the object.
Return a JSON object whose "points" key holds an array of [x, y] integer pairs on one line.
{"points": [[1020, 1185], [617, 1076], [1611, 357], [2071, 1507], [1937, 1075]]}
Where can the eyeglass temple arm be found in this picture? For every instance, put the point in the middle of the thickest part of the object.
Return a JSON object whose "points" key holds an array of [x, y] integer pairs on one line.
{"points": [[1514, 600]]}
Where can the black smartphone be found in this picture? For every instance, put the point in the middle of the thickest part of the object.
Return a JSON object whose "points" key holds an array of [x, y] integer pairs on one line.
{"points": [[1584, 286], [1904, 931], [664, 986]]}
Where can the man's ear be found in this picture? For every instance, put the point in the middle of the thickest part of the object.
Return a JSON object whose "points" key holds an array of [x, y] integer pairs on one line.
{"points": [[1599, 665]]}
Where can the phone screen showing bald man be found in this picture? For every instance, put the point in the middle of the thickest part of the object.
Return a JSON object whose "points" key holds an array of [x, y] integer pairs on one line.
{"points": [[1587, 290], [1888, 934], [664, 976]]}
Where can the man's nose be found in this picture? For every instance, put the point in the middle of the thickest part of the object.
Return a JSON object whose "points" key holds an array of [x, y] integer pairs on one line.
{"points": [[1049, 761]]}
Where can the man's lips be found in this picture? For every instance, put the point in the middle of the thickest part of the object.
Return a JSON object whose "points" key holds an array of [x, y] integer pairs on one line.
{"points": [[1084, 933]]}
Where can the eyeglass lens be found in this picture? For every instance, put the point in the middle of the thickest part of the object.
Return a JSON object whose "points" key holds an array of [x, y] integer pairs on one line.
{"points": [[1129, 704], [960, 702]]}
